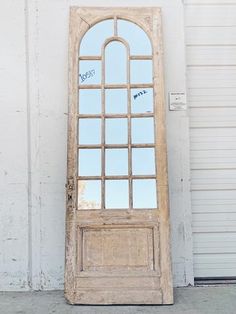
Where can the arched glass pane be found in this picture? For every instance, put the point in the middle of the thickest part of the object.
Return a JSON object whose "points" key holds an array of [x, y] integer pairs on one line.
{"points": [[93, 40], [115, 63], [136, 37]]}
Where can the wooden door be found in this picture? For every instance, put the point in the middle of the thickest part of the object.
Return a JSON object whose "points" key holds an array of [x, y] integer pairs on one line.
{"points": [[117, 221]]}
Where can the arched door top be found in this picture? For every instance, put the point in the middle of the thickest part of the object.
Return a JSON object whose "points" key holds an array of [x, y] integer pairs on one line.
{"points": [[114, 28]]}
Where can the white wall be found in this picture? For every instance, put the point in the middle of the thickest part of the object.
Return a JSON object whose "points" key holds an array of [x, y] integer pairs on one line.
{"points": [[33, 74], [13, 148], [211, 73]]}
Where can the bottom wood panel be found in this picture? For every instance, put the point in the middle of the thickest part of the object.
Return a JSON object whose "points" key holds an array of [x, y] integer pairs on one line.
{"points": [[113, 248]]}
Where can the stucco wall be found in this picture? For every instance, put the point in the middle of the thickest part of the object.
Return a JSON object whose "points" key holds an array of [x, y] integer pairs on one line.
{"points": [[33, 133]]}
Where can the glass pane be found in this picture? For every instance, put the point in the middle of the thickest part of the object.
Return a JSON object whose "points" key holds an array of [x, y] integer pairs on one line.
{"points": [[89, 101], [89, 194], [116, 100], [89, 131], [143, 161], [116, 162], [117, 195], [89, 162], [116, 131], [144, 193], [115, 63], [89, 72], [142, 100], [93, 40], [142, 130], [138, 40], [141, 71]]}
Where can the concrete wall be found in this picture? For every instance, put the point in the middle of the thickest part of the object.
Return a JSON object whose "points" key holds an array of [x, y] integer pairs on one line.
{"points": [[33, 131]]}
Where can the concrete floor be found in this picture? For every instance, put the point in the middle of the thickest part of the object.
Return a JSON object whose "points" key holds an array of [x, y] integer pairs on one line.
{"points": [[197, 300]]}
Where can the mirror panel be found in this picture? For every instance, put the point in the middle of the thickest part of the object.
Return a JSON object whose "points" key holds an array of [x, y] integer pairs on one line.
{"points": [[141, 71], [94, 38], [115, 63], [116, 100], [89, 162], [144, 193], [116, 162], [141, 100], [116, 131], [89, 131], [143, 161], [89, 194], [117, 194], [89, 101], [136, 37], [89, 72], [142, 130]]}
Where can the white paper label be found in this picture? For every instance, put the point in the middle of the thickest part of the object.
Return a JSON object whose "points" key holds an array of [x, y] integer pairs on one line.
{"points": [[177, 101]]}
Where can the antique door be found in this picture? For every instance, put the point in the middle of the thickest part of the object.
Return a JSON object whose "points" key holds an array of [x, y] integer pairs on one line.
{"points": [[117, 221]]}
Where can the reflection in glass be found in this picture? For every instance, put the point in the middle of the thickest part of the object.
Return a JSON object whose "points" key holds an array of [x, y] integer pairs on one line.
{"points": [[143, 161], [141, 71], [89, 194], [117, 194], [142, 130], [116, 131], [144, 193], [89, 162], [94, 38], [115, 63], [116, 162], [138, 40], [141, 100], [89, 101], [89, 72], [89, 131], [116, 100]]}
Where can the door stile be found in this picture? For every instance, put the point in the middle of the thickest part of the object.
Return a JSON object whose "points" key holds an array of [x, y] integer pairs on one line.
{"points": [[76, 28], [162, 174]]}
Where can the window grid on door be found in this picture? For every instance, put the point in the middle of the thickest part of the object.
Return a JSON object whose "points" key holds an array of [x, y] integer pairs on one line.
{"points": [[129, 116]]}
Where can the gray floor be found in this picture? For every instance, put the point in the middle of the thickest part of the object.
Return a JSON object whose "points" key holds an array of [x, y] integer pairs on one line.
{"points": [[197, 300]]}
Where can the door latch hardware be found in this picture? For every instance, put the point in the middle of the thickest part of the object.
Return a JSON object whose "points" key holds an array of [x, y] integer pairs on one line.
{"points": [[70, 189]]}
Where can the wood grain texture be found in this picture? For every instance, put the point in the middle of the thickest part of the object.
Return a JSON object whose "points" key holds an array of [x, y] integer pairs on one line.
{"points": [[77, 28], [118, 256], [161, 155]]}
